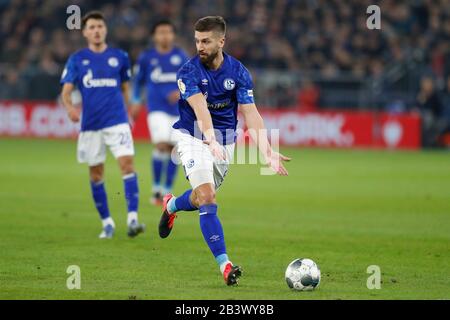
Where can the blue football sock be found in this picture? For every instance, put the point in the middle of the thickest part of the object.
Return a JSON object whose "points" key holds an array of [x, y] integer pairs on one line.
{"points": [[212, 229], [157, 167], [221, 259], [171, 172], [131, 187], [181, 203], [100, 199]]}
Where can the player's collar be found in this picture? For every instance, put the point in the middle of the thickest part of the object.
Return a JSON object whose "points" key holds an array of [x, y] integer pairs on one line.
{"points": [[94, 52], [164, 53]]}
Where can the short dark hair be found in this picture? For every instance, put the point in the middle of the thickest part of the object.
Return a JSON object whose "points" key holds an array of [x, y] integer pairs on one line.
{"points": [[211, 23], [96, 15], [162, 22]]}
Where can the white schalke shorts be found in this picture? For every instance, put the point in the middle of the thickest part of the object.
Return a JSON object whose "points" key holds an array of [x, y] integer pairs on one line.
{"points": [[199, 165], [92, 144], [160, 126]]}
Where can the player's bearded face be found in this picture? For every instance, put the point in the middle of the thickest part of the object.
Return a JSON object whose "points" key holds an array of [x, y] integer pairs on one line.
{"points": [[95, 31], [208, 58], [208, 46]]}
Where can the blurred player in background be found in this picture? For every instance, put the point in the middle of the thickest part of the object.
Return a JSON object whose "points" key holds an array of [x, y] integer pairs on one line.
{"points": [[157, 70], [102, 74], [213, 85]]}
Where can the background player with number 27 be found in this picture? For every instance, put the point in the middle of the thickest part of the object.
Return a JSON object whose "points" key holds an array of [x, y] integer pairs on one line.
{"points": [[102, 74], [213, 86]]}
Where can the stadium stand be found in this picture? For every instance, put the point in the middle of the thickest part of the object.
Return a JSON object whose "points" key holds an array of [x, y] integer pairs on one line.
{"points": [[319, 53]]}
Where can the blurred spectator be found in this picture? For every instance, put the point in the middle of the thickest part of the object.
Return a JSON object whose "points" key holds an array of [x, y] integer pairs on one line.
{"points": [[324, 38], [428, 99], [430, 108], [446, 104], [308, 97], [12, 86]]}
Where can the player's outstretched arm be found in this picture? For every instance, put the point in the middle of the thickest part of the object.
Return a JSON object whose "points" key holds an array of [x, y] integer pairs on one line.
{"points": [[255, 124], [200, 107], [66, 95]]}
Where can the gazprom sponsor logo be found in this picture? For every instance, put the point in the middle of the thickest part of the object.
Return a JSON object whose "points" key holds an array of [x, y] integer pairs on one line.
{"points": [[157, 76], [90, 82]]}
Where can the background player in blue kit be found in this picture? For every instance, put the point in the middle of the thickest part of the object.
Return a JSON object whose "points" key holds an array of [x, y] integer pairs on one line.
{"points": [[213, 86], [157, 70], [102, 73]]}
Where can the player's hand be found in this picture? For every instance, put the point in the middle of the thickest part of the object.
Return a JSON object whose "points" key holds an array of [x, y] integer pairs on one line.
{"points": [[74, 114], [173, 97], [134, 110], [275, 162], [216, 149]]}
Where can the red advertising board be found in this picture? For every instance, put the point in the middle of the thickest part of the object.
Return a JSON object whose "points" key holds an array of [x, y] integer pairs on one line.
{"points": [[325, 129], [35, 119]]}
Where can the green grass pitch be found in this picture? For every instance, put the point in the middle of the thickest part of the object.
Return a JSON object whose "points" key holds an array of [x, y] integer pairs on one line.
{"points": [[345, 209]]}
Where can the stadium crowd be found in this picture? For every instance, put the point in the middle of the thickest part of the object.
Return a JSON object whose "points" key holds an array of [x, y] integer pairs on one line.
{"points": [[326, 38]]}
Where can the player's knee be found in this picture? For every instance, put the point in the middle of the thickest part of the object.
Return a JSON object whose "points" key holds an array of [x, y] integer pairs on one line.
{"points": [[205, 196], [128, 169], [193, 198], [164, 147], [126, 165], [96, 174]]}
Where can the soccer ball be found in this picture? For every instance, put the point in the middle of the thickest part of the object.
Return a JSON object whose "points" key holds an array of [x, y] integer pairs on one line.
{"points": [[302, 275]]}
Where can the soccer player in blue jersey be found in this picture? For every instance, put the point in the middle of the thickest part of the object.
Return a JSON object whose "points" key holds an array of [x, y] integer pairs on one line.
{"points": [[102, 74], [157, 70], [213, 87]]}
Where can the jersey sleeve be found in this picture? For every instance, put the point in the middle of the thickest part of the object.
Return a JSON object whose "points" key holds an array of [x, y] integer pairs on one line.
{"points": [[139, 72], [125, 71], [244, 90], [70, 72], [188, 78]]}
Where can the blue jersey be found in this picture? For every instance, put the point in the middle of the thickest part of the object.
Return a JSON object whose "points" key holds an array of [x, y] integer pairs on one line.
{"points": [[158, 72], [99, 76], [223, 89]]}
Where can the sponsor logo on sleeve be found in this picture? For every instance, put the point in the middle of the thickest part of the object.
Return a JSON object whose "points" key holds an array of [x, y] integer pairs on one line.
{"points": [[181, 86], [64, 73]]}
